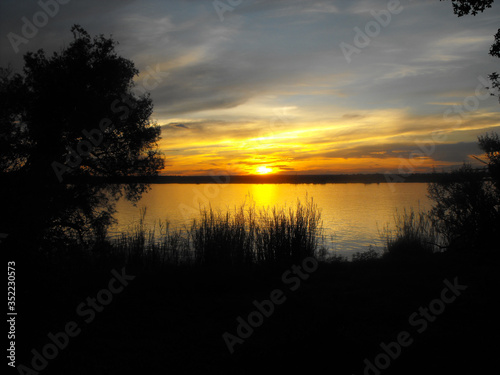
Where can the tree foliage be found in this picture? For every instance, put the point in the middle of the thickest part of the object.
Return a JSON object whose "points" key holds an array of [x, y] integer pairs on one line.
{"points": [[490, 144], [67, 119], [467, 207], [465, 211], [464, 7], [14, 140], [495, 51], [59, 100]]}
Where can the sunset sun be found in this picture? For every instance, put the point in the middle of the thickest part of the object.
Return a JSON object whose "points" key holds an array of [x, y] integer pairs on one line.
{"points": [[264, 170]]}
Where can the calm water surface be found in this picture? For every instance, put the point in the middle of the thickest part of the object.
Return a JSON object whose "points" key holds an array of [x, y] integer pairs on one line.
{"points": [[353, 214]]}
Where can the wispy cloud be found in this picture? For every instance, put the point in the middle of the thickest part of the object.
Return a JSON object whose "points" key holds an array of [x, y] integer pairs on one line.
{"points": [[226, 80]]}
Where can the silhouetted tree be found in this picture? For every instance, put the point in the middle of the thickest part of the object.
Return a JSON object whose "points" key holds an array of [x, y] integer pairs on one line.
{"points": [[495, 51], [464, 7], [14, 142], [68, 119], [465, 211], [490, 144]]}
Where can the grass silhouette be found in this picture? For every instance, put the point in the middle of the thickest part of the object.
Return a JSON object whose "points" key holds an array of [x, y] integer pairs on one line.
{"points": [[245, 236]]}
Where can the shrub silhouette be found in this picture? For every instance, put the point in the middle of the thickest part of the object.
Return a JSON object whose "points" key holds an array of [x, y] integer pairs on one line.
{"points": [[490, 144], [414, 236], [465, 210]]}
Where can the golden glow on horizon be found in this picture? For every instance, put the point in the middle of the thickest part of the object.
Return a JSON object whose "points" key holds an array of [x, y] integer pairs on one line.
{"points": [[367, 142], [263, 170]]}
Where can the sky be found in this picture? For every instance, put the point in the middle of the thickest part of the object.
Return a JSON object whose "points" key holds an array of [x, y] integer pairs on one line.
{"points": [[291, 86]]}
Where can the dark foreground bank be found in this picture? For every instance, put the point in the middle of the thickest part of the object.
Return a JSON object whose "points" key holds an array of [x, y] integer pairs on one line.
{"points": [[94, 314]]}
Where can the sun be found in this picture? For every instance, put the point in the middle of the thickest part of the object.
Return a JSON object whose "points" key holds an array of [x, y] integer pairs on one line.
{"points": [[263, 170]]}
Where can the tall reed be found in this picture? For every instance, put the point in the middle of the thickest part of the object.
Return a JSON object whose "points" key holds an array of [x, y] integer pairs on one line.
{"points": [[240, 237], [288, 235]]}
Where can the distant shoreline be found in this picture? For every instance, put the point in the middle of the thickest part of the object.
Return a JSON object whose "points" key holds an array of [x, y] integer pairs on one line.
{"points": [[376, 178]]}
